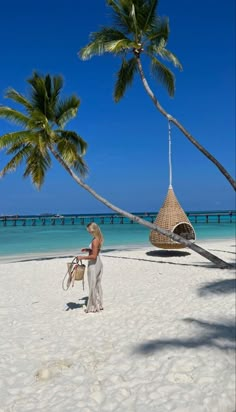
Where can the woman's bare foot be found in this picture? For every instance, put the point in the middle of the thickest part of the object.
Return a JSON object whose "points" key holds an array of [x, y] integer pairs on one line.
{"points": [[90, 311]]}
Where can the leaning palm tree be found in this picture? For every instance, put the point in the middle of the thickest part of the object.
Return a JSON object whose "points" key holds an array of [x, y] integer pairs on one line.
{"points": [[42, 136], [139, 32]]}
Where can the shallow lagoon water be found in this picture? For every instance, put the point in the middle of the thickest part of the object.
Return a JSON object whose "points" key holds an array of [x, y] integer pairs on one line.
{"points": [[39, 240]]}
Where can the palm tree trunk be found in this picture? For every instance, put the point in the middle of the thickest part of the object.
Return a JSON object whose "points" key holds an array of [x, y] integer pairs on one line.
{"points": [[182, 128], [209, 256]]}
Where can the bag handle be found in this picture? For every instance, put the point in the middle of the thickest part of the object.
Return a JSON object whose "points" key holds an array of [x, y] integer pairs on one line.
{"points": [[74, 261], [79, 261]]}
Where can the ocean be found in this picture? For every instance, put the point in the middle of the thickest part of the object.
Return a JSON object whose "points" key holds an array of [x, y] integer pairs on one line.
{"points": [[25, 239]]}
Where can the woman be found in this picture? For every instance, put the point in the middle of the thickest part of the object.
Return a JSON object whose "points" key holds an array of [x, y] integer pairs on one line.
{"points": [[95, 266]]}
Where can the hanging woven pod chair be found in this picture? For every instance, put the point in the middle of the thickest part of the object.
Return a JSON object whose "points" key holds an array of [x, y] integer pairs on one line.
{"points": [[171, 217]]}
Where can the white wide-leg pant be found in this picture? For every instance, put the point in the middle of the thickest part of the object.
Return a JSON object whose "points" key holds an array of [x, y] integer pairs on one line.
{"points": [[95, 300]]}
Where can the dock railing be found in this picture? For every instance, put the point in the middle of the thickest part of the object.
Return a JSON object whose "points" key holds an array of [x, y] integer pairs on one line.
{"points": [[82, 219]]}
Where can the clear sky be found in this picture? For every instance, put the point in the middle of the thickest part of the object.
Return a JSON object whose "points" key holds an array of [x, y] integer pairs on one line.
{"points": [[128, 141]]}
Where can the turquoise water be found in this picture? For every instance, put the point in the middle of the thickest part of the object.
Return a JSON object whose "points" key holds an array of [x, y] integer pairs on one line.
{"points": [[39, 240]]}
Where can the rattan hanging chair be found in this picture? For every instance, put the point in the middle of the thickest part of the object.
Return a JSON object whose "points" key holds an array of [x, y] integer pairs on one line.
{"points": [[171, 217]]}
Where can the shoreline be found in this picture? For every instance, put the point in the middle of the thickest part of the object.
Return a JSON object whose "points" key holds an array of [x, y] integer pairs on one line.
{"points": [[73, 252]]}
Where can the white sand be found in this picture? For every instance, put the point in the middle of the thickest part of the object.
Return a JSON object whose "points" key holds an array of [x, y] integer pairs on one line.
{"points": [[163, 343]]}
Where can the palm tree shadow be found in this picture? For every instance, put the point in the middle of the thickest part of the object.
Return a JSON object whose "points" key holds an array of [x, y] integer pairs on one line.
{"points": [[226, 286], [208, 265], [226, 251], [213, 335], [72, 305], [167, 253]]}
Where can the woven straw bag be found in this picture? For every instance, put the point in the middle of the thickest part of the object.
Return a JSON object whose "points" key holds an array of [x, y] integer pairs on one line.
{"points": [[76, 270]]}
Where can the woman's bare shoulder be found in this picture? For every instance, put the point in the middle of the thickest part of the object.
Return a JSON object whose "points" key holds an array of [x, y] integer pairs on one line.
{"points": [[95, 242]]}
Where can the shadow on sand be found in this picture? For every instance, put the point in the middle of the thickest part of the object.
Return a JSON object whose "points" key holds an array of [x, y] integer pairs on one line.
{"points": [[226, 287], [72, 305], [213, 335], [208, 265], [167, 253]]}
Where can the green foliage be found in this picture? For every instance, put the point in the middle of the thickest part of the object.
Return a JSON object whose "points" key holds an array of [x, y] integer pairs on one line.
{"points": [[137, 30], [124, 77], [42, 118]]}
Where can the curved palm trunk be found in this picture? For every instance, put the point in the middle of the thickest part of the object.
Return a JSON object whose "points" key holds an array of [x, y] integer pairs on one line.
{"points": [[182, 128], [209, 256]]}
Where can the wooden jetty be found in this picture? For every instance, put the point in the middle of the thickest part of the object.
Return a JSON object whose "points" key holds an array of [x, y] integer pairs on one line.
{"points": [[194, 217]]}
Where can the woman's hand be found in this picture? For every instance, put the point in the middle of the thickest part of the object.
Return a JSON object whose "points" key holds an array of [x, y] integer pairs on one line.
{"points": [[84, 250]]}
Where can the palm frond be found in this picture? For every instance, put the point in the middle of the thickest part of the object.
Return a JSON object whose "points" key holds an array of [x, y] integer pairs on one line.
{"points": [[66, 110], [124, 77], [135, 24], [150, 13], [71, 156], [102, 42], [74, 138], [15, 160], [133, 16], [39, 95], [81, 167], [159, 29], [57, 87], [119, 46], [16, 147], [15, 138], [38, 120], [121, 15], [36, 167], [163, 75], [145, 14], [14, 116], [18, 98], [48, 85], [168, 55]]}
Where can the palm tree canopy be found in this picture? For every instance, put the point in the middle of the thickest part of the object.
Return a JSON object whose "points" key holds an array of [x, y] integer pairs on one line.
{"points": [[140, 31], [42, 120]]}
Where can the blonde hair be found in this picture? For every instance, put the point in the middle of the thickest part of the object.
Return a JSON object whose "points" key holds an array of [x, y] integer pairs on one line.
{"points": [[96, 231]]}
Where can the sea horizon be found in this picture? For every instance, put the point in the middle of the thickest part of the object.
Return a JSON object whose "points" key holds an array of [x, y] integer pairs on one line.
{"points": [[57, 213]]}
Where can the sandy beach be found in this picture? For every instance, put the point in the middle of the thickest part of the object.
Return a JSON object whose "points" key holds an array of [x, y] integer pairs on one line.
{"points": [[164, 342]]}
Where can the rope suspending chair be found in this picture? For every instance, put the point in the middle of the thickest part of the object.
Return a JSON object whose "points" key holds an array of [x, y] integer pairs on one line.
{"points": [[171, 216]]}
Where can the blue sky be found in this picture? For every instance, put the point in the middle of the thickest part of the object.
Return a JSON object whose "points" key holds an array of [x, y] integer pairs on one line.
{"points": [[128, 141]]}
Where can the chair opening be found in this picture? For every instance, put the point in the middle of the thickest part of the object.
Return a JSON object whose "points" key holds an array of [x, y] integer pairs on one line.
{"points": [[185, 230]]}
